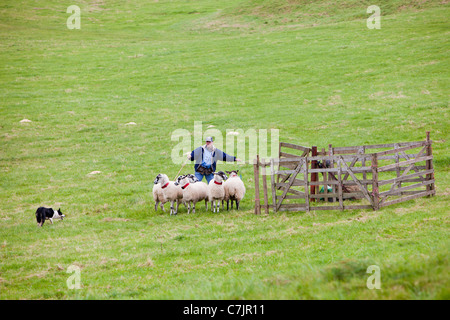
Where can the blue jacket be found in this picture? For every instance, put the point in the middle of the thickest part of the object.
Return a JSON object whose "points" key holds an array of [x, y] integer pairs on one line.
{"points": [[197, 155]]}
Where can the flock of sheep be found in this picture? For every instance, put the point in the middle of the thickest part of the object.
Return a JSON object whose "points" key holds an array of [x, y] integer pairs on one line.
{"points": [[188, 190]]}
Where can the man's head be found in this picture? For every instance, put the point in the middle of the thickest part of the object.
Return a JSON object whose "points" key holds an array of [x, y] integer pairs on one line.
{"points": [[209, 143], [209, 140]]}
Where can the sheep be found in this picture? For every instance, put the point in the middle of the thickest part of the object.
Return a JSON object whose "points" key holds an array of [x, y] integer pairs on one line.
{"points": [[203, 185], [193, 191], [159, 197], [171, 192], [216, 191], [178, 183], [234, 189], [193, 179]]}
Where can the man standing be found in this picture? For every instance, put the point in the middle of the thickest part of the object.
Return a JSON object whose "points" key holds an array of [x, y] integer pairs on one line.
{"points": [[206, 158]]}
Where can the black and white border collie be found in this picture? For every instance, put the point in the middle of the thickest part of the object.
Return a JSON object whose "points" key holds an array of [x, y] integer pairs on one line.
{"points": [[43, 214]]}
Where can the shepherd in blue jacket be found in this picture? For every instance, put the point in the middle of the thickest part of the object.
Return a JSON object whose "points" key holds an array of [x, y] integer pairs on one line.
{"points": [[206, 158]]}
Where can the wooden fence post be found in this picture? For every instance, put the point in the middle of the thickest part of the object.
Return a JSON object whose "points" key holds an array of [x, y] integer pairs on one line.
{"points": [[264, 177], [341, 204], [325, 178], [375, 190], [429, 164], [306, 178], [397, 160], [333, 187], [279, 156], [256, 177], [313, 175], [272, 179]]}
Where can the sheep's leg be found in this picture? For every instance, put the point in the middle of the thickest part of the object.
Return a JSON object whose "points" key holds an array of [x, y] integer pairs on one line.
{"points": [[172, 211], [228, 204], [237, 204], [156, 205], [188, 206], [193, 207], [206, 204], [162, 207], [178, 204]]}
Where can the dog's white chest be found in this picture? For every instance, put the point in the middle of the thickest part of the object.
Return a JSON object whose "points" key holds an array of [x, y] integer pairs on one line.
{"points": [[56, 215]]}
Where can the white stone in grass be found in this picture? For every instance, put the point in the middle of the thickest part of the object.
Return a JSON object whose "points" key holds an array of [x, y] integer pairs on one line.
{"points": [[130, 124], [25, 121], [233, 133], [95, 172]]}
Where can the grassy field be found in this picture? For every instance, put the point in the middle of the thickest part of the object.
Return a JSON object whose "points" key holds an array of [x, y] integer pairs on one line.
{"points": [[311, 69]]}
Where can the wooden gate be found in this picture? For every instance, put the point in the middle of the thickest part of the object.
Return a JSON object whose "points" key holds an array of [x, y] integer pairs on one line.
{"points": [[290, 165], [338, 174], [409, 175], [376, 179]]}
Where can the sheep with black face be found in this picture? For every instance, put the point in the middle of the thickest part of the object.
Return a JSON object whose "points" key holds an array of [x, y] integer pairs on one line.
{"points": [[172, 192], [193, 191], [216, 190]]}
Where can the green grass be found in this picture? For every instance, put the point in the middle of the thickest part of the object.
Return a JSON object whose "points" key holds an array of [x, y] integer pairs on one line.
{"points": [[311, 69]]}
